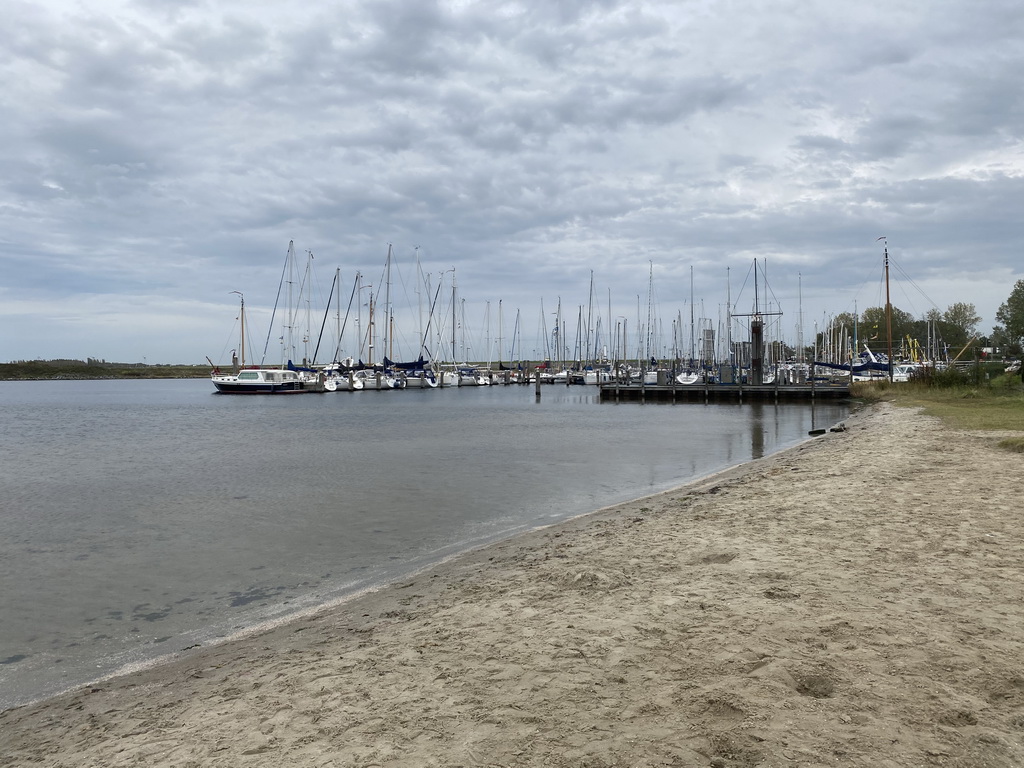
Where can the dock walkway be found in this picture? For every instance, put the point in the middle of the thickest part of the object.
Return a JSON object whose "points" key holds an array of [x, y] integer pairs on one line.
{"points": [[717, 393]]}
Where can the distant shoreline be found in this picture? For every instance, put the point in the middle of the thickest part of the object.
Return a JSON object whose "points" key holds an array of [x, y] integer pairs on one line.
{"points": [[74, 370]]}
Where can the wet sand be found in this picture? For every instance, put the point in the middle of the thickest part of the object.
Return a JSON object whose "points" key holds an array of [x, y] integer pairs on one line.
{"points": [[854, 601]]}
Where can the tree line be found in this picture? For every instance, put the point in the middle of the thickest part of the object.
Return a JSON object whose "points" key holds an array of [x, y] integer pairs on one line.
{"points": [[1009, 333]]}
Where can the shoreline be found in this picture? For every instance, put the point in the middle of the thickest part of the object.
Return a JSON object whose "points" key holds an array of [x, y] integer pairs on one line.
{"points": [[851, 600]]}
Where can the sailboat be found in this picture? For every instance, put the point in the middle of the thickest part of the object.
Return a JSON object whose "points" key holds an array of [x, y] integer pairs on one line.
{"points": [[255, 381], [870, 367]]}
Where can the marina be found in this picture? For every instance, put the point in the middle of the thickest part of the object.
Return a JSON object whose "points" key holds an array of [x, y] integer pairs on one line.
{"points": [[717, 370], [746, 358]]}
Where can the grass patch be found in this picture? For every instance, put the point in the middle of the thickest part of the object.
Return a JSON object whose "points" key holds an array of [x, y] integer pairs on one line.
{"points": [[990, 405], [1015, 444]]}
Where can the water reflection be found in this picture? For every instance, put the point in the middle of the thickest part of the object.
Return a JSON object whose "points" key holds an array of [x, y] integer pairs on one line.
{"points": [[756, 430]]}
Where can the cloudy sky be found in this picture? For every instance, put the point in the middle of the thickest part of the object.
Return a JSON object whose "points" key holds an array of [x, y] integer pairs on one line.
{"points": [[156, 156]]}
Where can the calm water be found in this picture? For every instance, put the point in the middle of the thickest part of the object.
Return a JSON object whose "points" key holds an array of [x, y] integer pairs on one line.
{"points": [[139, 518]]}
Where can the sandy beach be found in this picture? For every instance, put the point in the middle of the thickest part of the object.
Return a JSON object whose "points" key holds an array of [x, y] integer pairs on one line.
{"points": [[855, 601]]}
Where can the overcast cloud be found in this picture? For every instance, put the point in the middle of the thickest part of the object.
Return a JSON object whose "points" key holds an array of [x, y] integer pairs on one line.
{"points": [[156, 156]]}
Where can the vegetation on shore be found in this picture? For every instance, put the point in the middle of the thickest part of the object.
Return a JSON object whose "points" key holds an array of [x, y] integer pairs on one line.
{"points": [[982, 397], [36, 370]]}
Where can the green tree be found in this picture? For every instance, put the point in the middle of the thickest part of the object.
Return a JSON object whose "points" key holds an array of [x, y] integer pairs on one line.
{"points": [[961, 321], [873, 327], [1011, 316]]}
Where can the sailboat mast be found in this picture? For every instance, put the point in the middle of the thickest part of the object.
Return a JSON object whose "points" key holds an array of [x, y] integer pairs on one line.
{"points": [[545, 339], [609, 331], [590, 318], [419, 294], [728, 317], [579, 339], [293, 313], [888, 309], [650, 299], [389, 351], [307, 293], [499, 334], [323, 324], [853, 350], [692, 329], [242, 324], [370, 331], [800, 318], [241, 320], [517, 343]]}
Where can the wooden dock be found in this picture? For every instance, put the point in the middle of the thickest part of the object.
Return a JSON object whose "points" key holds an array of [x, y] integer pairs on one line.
{"points": [[722, 393]]}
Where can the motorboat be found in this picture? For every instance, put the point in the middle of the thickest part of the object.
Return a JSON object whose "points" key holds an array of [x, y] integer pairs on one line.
{"points": [[259, 381]]}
